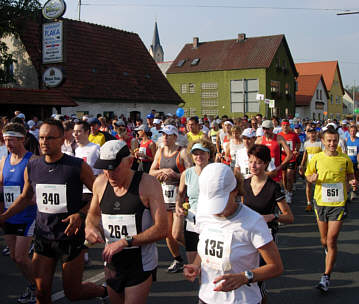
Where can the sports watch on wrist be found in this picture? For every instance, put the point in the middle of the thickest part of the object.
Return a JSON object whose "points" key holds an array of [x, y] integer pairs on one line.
{"points": [[249, 275], [276, 216], [129, 240]]}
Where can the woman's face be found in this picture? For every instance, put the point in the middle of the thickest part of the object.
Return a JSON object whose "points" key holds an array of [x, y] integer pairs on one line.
{"points": [[231, 206], [200, 158], [236, 134], [256, 165]]}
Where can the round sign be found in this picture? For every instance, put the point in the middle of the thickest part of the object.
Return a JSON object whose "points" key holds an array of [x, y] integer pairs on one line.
{"points": [[54, 9], [52, 77]]}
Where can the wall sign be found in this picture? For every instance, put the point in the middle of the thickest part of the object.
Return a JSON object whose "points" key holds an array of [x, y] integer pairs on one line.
{"points": [[52, 42], [52, 77], [54, 9]]}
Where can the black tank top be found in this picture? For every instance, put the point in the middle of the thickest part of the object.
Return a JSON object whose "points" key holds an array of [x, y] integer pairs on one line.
{"points": [[46, 180], [142, 258]]}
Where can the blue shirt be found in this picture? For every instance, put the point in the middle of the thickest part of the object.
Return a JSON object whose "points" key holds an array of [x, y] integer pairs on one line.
{"points": [[353, 149]]}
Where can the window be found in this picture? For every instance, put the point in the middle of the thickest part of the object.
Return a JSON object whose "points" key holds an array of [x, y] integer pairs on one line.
{"points": [[210, 112], [313, 116], [213, 94], [192, 88], [209, 85], [274, 86], [195, 61], [209, 103], [331, 100], [181, 63], [317, 94], [320, 95], [184, 89], [243, 95], [109, 114]]}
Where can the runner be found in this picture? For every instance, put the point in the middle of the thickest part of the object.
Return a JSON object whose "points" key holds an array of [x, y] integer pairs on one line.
{"points": [[273, 142], [170, 161], [18, 229], [289, 170], [311, 147], [330, 170], [194, 130], [242, 161], [57, 180], [129, 204], [95, 135], [232, 237], [235, 144], [353, 150], [213, 132], [185, 232], [147, 149], [69, 145]]}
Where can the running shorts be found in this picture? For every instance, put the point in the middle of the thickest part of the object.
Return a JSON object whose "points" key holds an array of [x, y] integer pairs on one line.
{"points": [[26, 229], [328, 214]]}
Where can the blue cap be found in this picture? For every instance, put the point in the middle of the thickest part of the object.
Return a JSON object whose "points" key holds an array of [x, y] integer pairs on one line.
{"points": [[297, 127], [93, 121], [149, 116]]}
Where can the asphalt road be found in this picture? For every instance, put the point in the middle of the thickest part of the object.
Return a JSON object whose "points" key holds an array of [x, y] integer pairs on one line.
{"points": [[301, 253]]}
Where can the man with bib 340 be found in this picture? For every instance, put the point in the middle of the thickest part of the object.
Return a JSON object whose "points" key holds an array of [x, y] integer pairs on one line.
{"points": [[330, 170]]}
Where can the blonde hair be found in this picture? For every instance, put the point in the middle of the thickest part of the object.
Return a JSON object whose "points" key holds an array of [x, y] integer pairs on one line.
{"points": [[206, 144]]}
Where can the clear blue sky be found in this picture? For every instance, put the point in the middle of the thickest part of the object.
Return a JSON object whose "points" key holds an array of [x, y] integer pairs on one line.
{"points": [[313, 30]]}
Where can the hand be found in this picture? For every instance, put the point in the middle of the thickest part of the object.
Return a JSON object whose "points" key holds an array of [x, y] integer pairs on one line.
{"points": [[230, 281], [169, 172], [180, 210], [75, 222], [268, 217], [93, 235], [191, 272], [354, 184], [301, 170], [162, 177], [314, 177], [113, 248]]}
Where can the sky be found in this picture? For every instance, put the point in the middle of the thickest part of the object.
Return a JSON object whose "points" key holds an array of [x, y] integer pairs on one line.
{"points": [[313, 30]]}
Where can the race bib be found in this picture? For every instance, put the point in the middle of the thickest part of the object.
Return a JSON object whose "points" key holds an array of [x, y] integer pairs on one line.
{"points": [[10, 195], [271, 166], [118, 226], [214, 139], [191, 221], [245, 171], [352, 150], [51, 198], [214, 248], [290, 145], [310, 157], [169, 193], [332, 193], [143, 151]]}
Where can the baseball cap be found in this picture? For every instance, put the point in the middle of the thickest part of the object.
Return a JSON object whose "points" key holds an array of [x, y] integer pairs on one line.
{"points": [[297, 127], [141, 128], [31, 123], [198, 146], [169, 115], [94, 120], [248, 133], [169, 130], [21, 115], [311, 130], [216, 182], [111, 154], [149, 116], [227, 122], [157, 121], [344, 122], [268, 124], [332, 124]]}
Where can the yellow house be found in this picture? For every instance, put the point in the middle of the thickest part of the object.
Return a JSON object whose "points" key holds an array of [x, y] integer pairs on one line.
{"points": [[333, 81]]}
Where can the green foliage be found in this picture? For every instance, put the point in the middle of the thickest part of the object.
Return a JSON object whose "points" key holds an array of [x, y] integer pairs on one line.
{"points": [[10, 12]]}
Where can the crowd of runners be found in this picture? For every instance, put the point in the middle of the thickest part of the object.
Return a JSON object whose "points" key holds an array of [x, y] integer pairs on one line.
{"points": [[219, 187]]}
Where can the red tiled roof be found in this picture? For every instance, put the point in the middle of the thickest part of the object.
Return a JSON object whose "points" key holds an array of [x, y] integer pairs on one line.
{"points": [[326, 68], [35, 97], [103, 63], [307, 84], [253, 52]]}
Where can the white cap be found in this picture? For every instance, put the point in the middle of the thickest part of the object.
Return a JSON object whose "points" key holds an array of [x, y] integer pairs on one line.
{"points": [[332, 124], [169, 115], [141, 128], [31, 123], [157, 121], [21, 115], [216, 182], [268, 124], [111, 154], [248, 133], [169, 129], [227, 122]]}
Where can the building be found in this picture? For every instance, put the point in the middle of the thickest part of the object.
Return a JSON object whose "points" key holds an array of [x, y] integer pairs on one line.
{"points": [[105, 70], [333, 81], [311, 97], [156, 49], [224, 77]]}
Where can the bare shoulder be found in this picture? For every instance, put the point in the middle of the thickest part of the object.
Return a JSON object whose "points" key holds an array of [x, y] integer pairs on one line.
{"points": [[100, 182], [34, 156], [150, 189]]}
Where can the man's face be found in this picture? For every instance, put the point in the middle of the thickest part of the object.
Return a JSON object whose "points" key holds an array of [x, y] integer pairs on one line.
{"points": [[285, 128], [259, 119], [268, 132], [297, 130], [50, 140], [80, 135], [330, 142], [312, 135], [192, 126], [14, 144], [94, 128], [169, 140], [227, 128], [353, 131], [114, 176]]}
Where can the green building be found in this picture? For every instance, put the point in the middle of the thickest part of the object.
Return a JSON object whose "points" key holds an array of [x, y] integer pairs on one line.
{"points": [[224, 77]]}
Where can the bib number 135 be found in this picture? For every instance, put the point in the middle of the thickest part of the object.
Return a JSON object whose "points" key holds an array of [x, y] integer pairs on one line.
{"points": [[214, 248]]}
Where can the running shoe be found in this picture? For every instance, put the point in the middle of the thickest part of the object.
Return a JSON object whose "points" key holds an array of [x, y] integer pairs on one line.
{"points": [[28, 297], [176, 266], [323, 283], [105, 298], [6, 251], [309, 208]]}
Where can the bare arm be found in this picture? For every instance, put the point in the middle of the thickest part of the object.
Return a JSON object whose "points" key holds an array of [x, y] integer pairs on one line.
{"points": [[287, 151], [182, 190], [186, 158]]}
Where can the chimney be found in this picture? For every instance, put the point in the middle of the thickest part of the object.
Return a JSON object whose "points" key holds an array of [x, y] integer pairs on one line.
{"points": [[241, 37], [195, 42]]}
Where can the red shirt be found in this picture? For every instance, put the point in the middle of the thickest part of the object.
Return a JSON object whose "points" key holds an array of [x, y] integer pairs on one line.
{"points": [[145, 148], [292, 140], [274, 148]]}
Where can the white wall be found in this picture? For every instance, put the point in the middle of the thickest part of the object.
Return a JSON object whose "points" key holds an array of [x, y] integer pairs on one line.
{"points": [[119, 108]]}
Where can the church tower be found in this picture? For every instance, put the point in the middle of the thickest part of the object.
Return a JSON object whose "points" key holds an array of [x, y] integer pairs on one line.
{"points": [[156, 50]]}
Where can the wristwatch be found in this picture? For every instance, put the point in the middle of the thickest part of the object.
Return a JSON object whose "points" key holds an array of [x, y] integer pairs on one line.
{"points": [[276, 216], [129, 240], [249, 275]]}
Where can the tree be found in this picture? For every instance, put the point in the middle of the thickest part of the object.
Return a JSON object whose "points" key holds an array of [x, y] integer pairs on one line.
{"points": [[10, 12]]}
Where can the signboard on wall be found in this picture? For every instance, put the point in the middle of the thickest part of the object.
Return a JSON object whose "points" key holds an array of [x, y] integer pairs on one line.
{"points": [[52, 42]]}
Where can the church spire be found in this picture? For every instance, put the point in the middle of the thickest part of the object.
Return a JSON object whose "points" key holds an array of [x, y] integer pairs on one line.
{"points": [[156, 50]]}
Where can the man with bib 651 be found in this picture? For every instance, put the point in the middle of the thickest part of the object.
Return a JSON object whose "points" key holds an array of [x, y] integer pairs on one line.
{"points": [[330, 170]]}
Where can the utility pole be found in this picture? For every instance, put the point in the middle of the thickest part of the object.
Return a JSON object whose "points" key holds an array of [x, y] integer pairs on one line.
{"points": [[348, 13], [79, 10], [354, 116]]}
